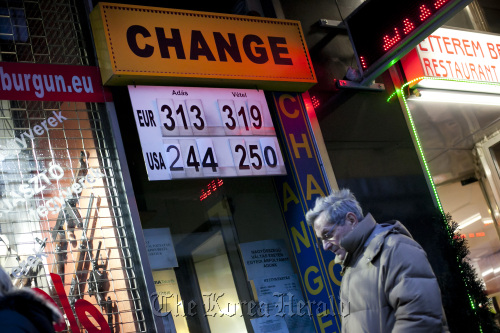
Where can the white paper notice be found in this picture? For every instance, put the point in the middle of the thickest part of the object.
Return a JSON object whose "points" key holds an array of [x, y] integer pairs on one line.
{"points": [[266, 258], [281, 296], [161, 252], [269, 325]]}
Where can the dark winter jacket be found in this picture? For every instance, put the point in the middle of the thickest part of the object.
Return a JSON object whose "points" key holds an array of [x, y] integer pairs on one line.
{"points": [[24, 311], [388, 284]]}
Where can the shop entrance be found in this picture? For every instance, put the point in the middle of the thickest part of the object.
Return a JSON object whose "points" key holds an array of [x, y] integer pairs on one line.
{"points": [[207, 289], [487, 153], [459, 134]]}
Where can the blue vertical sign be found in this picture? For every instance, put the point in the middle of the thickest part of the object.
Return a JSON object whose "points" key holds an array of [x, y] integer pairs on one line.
{"points": [[297, 192]]}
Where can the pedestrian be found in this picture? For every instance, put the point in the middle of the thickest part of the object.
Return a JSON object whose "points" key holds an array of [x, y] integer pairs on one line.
{"points": [[388, 284], [23, 310]]}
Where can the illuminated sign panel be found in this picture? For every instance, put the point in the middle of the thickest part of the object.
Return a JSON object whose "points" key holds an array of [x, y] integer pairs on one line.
{"points": [[149, 45], [44, 82], [455, 54], [382, 31], [190, 132]]}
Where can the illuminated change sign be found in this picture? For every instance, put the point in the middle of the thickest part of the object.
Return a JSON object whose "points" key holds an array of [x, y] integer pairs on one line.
{"points": [[150, 45], [188, 132], [382, 31]]}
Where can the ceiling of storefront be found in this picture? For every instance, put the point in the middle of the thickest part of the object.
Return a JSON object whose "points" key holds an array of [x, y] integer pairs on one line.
{"points": [[491, 10], [449, 132]]}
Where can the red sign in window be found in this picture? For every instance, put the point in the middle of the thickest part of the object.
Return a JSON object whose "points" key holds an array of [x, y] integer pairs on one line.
{"points": [[41, 82]]}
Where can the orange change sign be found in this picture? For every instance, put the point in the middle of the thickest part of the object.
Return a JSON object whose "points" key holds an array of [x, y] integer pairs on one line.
{"points": [[149, 45]]}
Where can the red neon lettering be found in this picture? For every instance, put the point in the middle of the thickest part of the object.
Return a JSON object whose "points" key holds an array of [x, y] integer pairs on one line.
{"points": [[473, 70], [408, 26], [446, 43], [477, 46], [427, 66], [456, 42], [466, 45], [493, 67], [421, 47], [390, 42], [424, 13], [435, 65], [493, 53], [449, 66], [211, 188], [441, 62], [437, 38]]}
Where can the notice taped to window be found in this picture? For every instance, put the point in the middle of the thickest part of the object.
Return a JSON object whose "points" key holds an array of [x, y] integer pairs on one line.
{"points": [[266, 258], [161, 252]]}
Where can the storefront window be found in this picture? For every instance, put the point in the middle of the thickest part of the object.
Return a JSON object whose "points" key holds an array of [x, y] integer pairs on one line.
{"points": [[452, 132], [65, 227], [208, 289], [60, 209]]}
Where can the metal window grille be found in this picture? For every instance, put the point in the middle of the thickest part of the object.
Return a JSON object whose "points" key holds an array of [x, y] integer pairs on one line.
{"points": [[53, 182]]}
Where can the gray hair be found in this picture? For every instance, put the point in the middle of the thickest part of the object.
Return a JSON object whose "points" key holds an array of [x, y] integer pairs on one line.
{"points": [[5, 282], [336, 206]]}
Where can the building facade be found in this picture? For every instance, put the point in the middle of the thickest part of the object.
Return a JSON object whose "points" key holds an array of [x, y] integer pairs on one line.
{"points": [[158, 158]]}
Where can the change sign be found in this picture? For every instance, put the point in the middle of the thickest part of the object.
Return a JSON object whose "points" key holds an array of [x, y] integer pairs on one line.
{"points": [[147, 45]]}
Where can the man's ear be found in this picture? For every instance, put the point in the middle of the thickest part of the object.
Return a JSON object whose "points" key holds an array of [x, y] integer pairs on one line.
{"points": [[351, 217]]}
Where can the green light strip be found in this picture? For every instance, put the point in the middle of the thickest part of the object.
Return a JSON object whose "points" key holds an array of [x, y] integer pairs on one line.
{"points": [[457, 80], [421, 151], [404, 86], [429, 176], [442, 79]]}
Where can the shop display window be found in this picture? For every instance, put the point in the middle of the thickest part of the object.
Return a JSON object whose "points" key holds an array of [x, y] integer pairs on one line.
{"points": [[61, 211], [458, 133]]}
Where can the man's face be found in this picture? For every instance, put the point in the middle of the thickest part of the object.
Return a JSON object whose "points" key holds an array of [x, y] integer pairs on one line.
{"points": [[331, 233]]}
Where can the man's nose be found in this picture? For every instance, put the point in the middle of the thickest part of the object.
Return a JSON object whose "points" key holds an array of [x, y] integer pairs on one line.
{"points": [[326, 245]]}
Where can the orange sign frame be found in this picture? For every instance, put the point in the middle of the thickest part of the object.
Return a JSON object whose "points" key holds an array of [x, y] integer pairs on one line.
{"points": [[150, 45]]}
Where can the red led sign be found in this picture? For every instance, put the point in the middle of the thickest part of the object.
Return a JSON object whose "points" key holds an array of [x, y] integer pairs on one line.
{"points": [[210, 188], [382, 31]]}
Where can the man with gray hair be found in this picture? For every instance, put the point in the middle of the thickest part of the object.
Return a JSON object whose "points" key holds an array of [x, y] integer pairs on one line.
{"points": [[388, 284]]}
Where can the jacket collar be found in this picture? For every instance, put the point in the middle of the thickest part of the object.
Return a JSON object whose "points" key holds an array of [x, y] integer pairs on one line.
{"points": [[354, 241], [368, 230], [389, 227]]}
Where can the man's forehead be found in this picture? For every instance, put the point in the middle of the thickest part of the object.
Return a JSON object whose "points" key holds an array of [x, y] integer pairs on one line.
{"points": [[321, 223]]}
